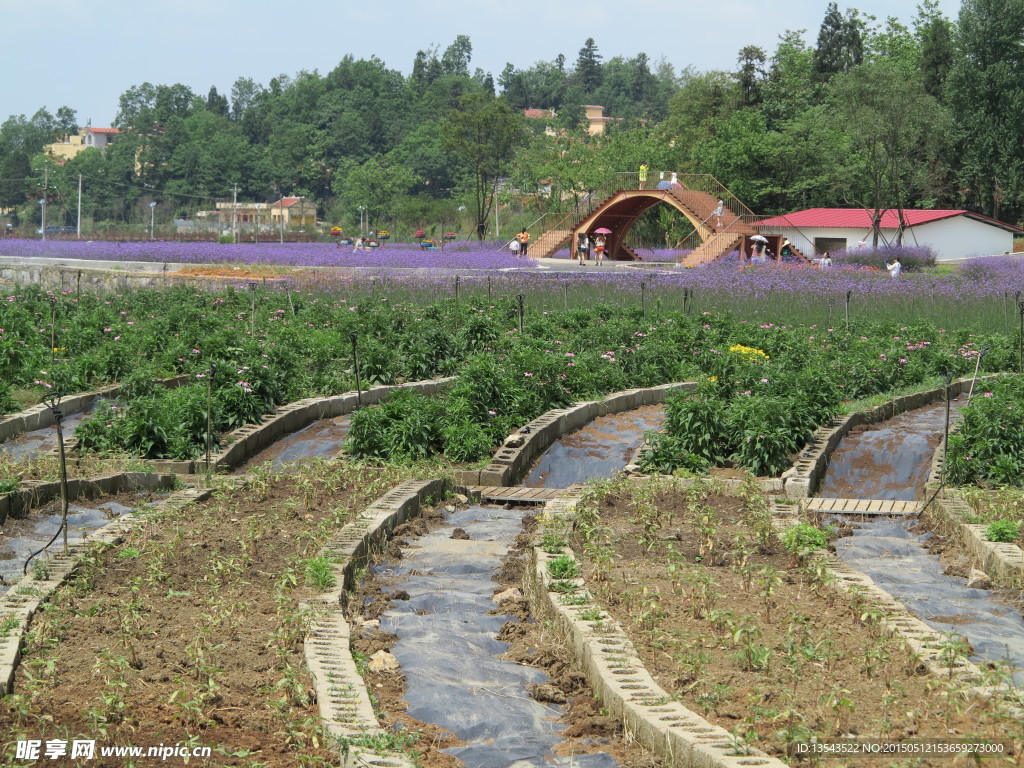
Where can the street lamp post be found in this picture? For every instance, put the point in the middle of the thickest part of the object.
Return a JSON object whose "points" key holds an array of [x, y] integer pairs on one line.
{"points": [[152, 216], [362, 210], [43, 225]]}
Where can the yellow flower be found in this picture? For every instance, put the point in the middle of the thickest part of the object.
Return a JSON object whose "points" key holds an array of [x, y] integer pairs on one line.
{"points": [[747, 351], [712, 378]]}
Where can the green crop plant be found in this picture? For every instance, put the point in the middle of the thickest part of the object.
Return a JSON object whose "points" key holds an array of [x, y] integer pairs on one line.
{"points": [[563, 567], [1003, 531]]}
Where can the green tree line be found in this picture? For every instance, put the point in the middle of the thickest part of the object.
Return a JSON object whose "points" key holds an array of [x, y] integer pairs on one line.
{"points": [[869, 113]]}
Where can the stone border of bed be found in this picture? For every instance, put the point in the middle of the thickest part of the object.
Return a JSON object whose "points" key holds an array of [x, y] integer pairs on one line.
{"points": [[801, 480], [520, 449], [342, 696]]}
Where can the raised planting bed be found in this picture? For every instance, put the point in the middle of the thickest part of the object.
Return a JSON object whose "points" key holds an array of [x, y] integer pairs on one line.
{"points": [[40, 416], [245, 442], [192, 628], [762, 640]]}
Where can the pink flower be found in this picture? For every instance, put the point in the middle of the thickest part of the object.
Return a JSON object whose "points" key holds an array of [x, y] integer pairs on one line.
{"points": [[989, 394], [528, 374]]}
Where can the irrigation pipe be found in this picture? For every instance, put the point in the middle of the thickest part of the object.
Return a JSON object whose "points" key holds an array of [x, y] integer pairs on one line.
{"points": [[977, 366], [52, 401]]}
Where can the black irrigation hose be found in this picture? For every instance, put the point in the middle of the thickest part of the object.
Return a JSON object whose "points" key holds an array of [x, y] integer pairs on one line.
{"points": [[60, 528], [927, 503]]}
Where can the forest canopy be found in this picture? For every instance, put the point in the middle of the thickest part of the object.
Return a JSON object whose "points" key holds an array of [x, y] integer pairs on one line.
{"points": [[864, 113]]}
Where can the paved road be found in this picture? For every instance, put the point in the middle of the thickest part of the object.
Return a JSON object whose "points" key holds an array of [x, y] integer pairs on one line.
{"points": [[553, 265]]}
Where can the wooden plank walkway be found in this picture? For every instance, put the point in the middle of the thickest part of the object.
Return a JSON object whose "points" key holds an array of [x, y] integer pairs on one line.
{"points": [[528, 495], [864, 506]]}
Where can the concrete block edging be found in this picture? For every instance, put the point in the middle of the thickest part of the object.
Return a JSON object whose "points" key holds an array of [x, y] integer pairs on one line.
{"points": [[618, 677], [511, 462], [343, 699]]}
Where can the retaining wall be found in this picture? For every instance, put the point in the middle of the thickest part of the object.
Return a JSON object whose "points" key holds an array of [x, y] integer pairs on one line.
{"points": [[96, 280], [514, 458], [35, 493], [40, 416]]}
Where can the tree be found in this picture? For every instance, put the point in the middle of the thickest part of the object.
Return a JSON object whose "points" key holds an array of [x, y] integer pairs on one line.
{"points": [[456, 57], [588, 73], [840, 43], [484, 133], [985, 91], [935, 37], [751, 74], [894, 127], [15, 170], [790, 89]]}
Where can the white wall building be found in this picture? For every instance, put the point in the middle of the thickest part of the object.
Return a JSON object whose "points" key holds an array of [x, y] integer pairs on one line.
{"points": [[951, 234]]}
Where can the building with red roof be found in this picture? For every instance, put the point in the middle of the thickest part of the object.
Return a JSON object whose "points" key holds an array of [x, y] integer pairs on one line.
{"points": [[952, 234]]}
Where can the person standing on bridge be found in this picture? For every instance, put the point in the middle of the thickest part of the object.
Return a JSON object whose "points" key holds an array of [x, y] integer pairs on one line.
{"points": [[719, 214], [644, 168]]}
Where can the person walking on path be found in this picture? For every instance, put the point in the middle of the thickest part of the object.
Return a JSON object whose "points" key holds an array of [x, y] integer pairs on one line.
{"points": [[599, 244], [644, 168], [524, 242], [582, 248]]}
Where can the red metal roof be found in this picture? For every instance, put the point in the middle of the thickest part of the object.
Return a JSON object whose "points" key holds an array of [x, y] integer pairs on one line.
{"points": [[856, 218], [103, 130]]}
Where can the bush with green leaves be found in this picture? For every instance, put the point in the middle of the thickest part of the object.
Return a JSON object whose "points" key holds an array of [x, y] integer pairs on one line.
{"points": [[988, 445], [1005, 531], [7, 402]]}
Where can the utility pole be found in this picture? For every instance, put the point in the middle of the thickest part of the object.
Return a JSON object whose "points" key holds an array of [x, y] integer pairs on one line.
{"points": [[46, 188], [79, 206], [234, 215]]}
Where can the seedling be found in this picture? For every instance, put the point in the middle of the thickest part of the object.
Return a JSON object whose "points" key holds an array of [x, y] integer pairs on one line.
{"points": [[563, 567]]}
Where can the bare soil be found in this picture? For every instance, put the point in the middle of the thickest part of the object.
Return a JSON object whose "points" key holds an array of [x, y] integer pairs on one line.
{"points": [[192, 629], [738, 630]]}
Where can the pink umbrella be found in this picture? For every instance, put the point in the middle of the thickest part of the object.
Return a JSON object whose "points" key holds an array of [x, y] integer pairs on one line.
{"points": [[602, 231]]}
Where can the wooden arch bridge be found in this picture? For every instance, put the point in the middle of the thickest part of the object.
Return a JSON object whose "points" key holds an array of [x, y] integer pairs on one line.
{"points": [[621, 201]]}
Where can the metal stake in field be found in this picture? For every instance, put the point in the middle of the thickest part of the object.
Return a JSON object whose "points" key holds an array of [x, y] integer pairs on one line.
{"points": [[945, 430], [1020, 340], [209, 413], [52, 400], [643, 300], [519, 299], [457, 303], [252, 310], [355, 365], [53, 330], [848, 295]]}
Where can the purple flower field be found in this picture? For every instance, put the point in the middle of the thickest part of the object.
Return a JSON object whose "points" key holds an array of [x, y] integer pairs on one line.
{"points": [[461, 255]]}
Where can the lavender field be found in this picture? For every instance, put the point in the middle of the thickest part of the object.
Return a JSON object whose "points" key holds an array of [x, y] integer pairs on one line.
{"points": [[458, 255], [984, 292]]}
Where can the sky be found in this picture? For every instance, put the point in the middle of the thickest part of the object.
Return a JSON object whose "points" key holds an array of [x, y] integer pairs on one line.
{"points": [[84, 55]]}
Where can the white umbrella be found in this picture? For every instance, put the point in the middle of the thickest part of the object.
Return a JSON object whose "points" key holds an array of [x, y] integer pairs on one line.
{"points": [[759, 238]]}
